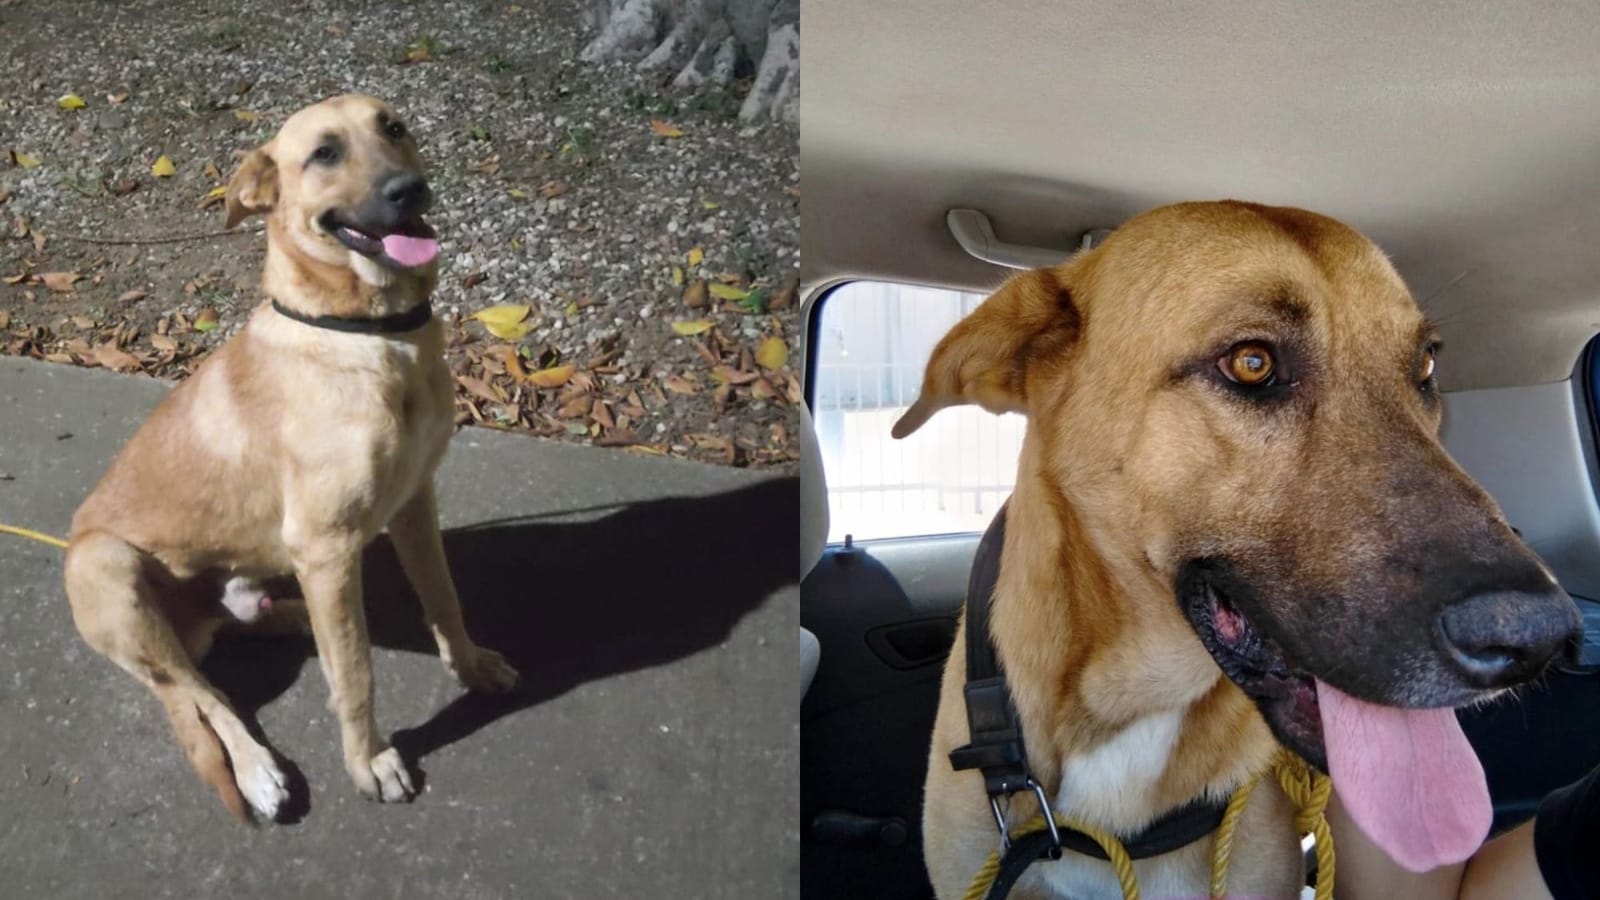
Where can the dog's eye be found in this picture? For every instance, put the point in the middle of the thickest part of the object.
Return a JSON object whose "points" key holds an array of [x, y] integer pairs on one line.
{"points": [[327, 153], [394, 130], [1425, 368], [1249, 364]]}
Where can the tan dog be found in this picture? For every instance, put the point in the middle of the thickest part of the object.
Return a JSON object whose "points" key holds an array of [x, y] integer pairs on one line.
{"points": [[287, 452], [1233, 526]]}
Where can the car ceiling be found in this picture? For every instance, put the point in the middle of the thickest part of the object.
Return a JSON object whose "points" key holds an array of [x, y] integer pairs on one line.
{"points": [[1463, 137]]}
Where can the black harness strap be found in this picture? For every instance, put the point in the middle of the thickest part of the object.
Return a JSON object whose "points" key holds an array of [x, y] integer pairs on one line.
{"points": [[399, 323], [997, 750]]}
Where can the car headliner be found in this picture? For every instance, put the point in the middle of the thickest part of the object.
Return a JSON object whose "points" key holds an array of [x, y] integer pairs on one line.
{"points": [[1463, 137]]}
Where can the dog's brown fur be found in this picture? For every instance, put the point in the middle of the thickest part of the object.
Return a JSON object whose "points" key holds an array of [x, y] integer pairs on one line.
{"points": [[1136, 458], [288, 451]]}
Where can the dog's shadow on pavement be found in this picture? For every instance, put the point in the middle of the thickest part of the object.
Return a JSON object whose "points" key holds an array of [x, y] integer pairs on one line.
{"points": [[566, 602]]}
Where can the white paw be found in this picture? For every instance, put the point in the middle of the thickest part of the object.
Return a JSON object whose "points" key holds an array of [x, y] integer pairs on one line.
{"points": [[387, 778], [263, 785]]}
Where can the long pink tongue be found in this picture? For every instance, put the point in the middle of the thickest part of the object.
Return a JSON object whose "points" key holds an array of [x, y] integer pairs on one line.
{"points": [[410, 251], [1408, 777]]}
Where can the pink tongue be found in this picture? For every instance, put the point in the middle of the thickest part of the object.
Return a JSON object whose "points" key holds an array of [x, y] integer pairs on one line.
{"points": [[410, 251], [1408, 777]]}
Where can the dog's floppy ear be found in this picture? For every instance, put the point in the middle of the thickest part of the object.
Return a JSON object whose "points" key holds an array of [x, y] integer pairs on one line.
{"points": [[986, 357], [253, 187]]}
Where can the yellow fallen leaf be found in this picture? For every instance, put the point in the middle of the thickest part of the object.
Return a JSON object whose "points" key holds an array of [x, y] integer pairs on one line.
{"points": [[572, 308], [163, 167], [553, 377], [518, 194], [23, 159], [677, 276], [665, 129], [696, 256], [71, 101], [246, 116], [709, 205], [696, 326], [220, 190], [773, 353], [506, 320], [727, 291], [207, 320]]}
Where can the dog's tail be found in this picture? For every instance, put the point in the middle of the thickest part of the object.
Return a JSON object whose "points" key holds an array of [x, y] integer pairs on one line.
{"points": [[204, 750]]}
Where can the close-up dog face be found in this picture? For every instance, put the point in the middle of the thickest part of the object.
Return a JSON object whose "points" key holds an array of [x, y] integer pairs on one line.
{"points": [[344, 182], [1239, 403]]}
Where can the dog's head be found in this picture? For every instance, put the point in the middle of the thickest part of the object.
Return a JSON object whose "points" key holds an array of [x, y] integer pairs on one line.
{"points": [[1239, 402], [341, 183]]}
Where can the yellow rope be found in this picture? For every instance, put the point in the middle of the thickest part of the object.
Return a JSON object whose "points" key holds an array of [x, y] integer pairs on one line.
{"points": [[34, 535], [1306, 788], [1121, 862]]}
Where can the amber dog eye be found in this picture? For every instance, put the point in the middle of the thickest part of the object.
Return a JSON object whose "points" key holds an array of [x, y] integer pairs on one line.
{"points": [[1249, 364], [1425, 370]]}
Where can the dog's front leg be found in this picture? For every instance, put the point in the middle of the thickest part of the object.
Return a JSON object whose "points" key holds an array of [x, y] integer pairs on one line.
{"points": [[330, 576], [415, 532]]}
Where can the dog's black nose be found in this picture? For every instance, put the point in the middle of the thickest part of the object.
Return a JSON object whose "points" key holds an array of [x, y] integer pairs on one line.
{"points": [[1503, 638], [408, 193]]}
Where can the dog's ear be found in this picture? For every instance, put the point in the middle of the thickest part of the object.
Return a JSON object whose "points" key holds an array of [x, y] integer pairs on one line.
{"points": [[253, 187], [985, 359]]}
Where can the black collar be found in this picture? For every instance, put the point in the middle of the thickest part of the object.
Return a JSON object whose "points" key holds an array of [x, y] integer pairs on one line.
{"points": [[997, 750], [398, 323]]}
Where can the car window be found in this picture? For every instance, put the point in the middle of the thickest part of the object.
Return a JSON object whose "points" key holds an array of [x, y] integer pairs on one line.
{"points": [[872, 342]]}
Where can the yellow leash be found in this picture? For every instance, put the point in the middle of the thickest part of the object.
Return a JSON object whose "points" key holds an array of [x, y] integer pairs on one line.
{"points": [[32, 535], [1305, 787]]}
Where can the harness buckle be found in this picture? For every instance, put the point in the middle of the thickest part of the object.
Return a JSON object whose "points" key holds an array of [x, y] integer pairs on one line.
{"points": [[1001, 811]]}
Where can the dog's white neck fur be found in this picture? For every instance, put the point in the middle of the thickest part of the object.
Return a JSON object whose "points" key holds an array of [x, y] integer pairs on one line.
{"points": [[1115, 782]]}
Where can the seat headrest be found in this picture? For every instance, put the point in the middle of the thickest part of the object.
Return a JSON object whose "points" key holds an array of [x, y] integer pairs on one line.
{"points": [[813, 496]]}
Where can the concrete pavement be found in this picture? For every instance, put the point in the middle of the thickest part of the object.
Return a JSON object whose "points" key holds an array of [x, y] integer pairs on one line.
{"points": [[650, 604]]}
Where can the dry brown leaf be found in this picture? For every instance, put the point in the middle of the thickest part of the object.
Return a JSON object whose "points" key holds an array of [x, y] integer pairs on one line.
{"points": [[130, 296], [480, 389], [18, 278], [762, 389], [38, 241], [83, 323], [115, 359], [553, 377], [787, 296], [680, 385], [730, 375], [5, 318], [211, 171], [552, 189], [124, 187], [474, 279], [665, 129], [60, 282], [4, 195], [721, 396], [694, 296], [575, 407], [117, 99], [794, 391], [162, 342], [513, 362], [602, 415]]}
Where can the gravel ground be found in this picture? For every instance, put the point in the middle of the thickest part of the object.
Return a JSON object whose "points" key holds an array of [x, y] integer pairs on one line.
{"points": [[652, 236]]}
